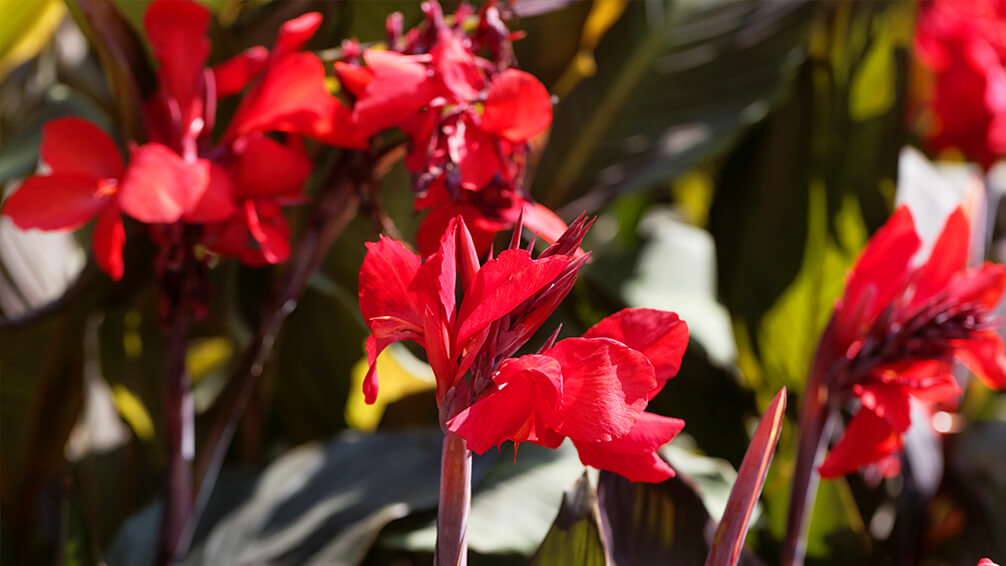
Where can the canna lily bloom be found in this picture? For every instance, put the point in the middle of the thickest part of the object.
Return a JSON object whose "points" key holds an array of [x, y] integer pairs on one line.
{"points": [[86, 169], [896, 331], [593, 390], [964, 47], [469, 120], [403, 297]]}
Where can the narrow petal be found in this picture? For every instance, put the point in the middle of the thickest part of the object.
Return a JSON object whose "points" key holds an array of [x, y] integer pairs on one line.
{"points": [[983, 286], [634, 455], [293, 34], [107, 242], [518, 106], [502, 285], [867, 439], [985, 356], [234, 74], [879, 273], [949, 256], [177, 32], [605, 388], [659, 335], [436, 220], [267, 168], [159, 186], [436, 280], [77, 146], [546, 224], [385, 277], [61, 201], [888, 401]]}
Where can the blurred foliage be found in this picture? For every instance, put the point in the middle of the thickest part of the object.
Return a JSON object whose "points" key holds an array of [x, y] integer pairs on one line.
{"points": [[737, 154]]}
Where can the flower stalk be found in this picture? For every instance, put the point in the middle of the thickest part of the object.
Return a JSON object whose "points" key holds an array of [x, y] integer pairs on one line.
{"points": [[455, 502]]}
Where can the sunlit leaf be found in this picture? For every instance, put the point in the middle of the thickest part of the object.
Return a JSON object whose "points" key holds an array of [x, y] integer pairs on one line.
{"points": [[25, 29], [575, 537]]}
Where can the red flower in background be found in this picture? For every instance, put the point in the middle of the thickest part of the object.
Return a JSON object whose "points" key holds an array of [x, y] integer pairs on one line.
{"points": [[593, 390], [236, 188], [898, 328], [469, 121], [963, 43], [84, 183]]}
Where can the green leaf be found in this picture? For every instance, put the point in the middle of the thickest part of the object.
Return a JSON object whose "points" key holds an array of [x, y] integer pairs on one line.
{"points": [[675, 81], [575, 536]]}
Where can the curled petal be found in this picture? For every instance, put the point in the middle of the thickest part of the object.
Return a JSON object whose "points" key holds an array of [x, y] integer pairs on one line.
{"points": [[606, 386], [659, 335], [234, 74], [985, 356], [518, 106], [77, 146], [293, 34], [888, 401], [61, 201], [867, 439], [107, 242], [386, 275], [635, 454]]}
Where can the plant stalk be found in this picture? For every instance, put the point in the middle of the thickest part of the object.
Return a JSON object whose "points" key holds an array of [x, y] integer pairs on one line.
{"points": [[179, 426], [817, 419], [455, 502]]}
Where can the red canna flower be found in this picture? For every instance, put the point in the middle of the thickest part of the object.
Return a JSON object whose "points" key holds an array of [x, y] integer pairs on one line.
{"points": [[86, 169], [469, 121], [896, 331], [964, 47], [986, 562], [593, 390]]}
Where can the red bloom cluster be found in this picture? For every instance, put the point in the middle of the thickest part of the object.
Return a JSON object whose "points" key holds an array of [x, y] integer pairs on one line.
{"points": [[963, 43], [234, 188], [469, 120], [896, 331], [592, 389]]}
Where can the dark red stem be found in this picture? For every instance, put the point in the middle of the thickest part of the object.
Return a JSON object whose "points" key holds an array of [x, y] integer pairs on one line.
{"points": [[455, 502]]}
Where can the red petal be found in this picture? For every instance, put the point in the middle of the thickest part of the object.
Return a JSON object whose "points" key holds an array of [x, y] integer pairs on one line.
{"points": [[634, 455], [518, 106], [353, 78], [984, 285], [399, 88], [530, 389], [659, 335], [985, 356], [234, 74], [107, 242], [294, 33], [436, 280], [267, 168], [177, 32], [879, 274], [272, 237], [502, 285], [385, 277], [293, 97], [949, 256], [888, 401], [605, 388], [77, 146], [546, 224], [456, 67], [475, 153], [218, 202], [867, 439], [61, 201], [159, 186]]}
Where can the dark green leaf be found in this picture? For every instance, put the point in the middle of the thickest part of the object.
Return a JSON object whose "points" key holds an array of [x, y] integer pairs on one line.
{"points": [[575, 536]]}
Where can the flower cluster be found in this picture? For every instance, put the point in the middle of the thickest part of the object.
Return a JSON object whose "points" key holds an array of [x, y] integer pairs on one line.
{"points": [[963, 44], [593, 389], [233, 188], [469, 120], [896, 332]]}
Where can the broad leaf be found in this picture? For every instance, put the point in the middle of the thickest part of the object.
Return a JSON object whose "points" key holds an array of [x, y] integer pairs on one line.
{"points": [[575, 537]]}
